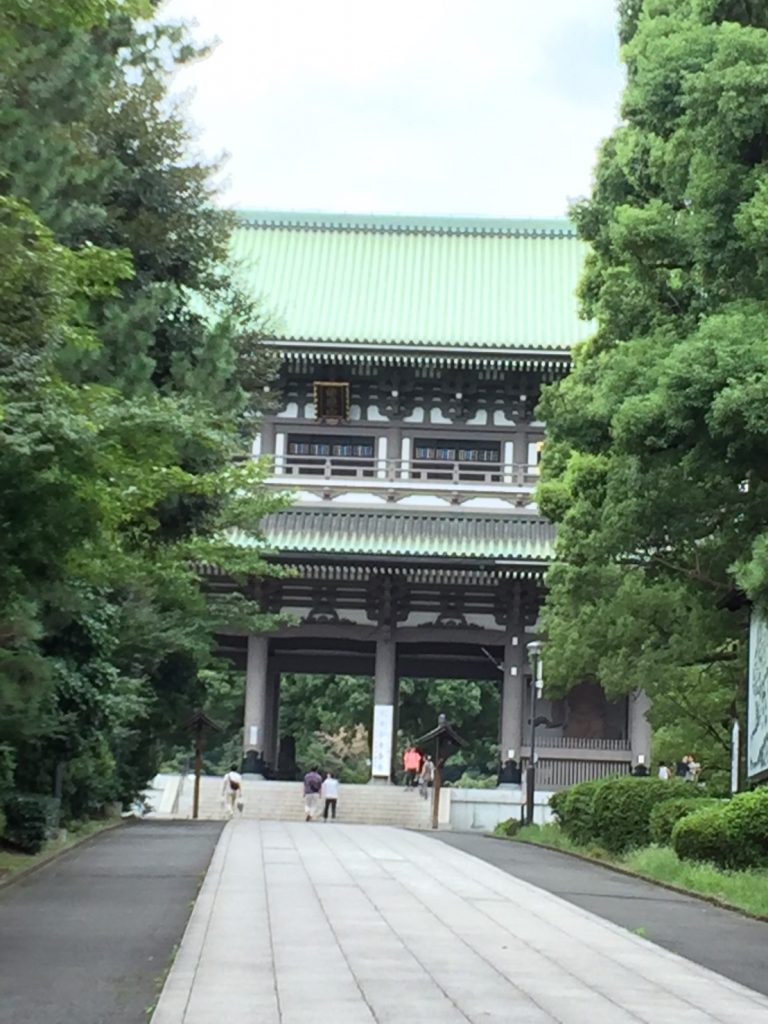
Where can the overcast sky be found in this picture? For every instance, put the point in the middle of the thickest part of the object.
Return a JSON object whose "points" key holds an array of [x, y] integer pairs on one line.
{"points": [[486, 107]]}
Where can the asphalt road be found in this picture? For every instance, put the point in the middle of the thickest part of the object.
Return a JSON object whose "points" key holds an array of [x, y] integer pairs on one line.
{"points": [[84, 939], [722, 940]]}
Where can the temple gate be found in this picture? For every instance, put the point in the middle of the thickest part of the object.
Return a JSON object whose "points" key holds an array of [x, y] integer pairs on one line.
{"points": [[412, 356]]}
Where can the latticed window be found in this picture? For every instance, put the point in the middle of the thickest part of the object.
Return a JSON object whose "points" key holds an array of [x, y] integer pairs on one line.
{"points": [[331, 400]]}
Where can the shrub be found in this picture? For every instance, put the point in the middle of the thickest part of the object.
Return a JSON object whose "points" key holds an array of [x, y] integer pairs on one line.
{"points": [[510, 827], [472, 780], [732, 835], [27, 821], [622, 809], [746, 817], [701, 836], [664, 816], [574, 810]]}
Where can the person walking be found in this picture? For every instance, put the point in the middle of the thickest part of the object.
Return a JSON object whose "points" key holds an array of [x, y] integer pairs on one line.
{"points": [[681, 768], [313, 783], [426, 776], [663, 770], [412, 765], [330, 795], [232, 792]]}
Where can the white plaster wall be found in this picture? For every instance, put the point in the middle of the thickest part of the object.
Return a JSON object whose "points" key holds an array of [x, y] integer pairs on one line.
{"points": [[290, 412], [417, 416], [500, 419], [489, 504], [359, 498], [475, 810], [436, 416], [424, 501]]}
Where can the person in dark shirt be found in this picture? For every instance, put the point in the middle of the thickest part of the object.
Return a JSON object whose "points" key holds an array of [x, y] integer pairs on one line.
{"points": [[313, 783]]}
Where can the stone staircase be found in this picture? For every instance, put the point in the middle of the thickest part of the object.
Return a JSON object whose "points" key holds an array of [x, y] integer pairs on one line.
{"points": [[283, 801]]}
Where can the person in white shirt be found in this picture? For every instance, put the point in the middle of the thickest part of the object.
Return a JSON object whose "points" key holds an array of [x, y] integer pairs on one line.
{"points": [[330, 794], [232, 791], [663, 770]]}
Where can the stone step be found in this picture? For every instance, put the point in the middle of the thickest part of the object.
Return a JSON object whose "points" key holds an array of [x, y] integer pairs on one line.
{"points": [[283, 801]]}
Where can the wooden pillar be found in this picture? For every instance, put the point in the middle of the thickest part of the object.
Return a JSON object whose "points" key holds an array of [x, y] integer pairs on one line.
{"points": [[384, 700], [255, 718], [512, 694], [272, 734], [520, 451], [639, 726]]}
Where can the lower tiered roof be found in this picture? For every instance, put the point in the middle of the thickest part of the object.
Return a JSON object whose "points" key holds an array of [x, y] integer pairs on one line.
{"points": [[524, 539]]}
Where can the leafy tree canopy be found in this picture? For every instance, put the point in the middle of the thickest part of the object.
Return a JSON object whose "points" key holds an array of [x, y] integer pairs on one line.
{"points": [[655, 469], [130, 376]]}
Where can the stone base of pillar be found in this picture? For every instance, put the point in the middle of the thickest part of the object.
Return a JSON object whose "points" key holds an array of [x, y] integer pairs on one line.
{"points": [[253, 764]]}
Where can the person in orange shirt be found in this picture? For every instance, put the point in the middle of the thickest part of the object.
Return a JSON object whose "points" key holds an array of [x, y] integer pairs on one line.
{"points": [[412, 765]]}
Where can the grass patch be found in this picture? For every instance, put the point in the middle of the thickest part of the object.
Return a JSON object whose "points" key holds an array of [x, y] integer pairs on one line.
{"points": [[12, 861], [554, 837], [743, 890], [747, 890]]}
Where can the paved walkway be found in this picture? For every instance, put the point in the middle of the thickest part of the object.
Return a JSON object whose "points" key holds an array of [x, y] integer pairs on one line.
{"points": [[723, 940], [344, 924], [84, 939]]}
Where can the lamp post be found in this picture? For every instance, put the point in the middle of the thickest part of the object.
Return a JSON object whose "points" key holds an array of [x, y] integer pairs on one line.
{"points": [[537, 685]]}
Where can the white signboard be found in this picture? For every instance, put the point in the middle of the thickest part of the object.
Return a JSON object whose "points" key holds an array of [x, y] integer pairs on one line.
{"points": [[254, 736], [381, 754], [757, 699]]}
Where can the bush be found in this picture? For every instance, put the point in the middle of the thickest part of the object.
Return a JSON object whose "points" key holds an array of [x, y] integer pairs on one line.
{"points": [[732, 835], [701, 836], [665, 816], [622, 809], [473, 780], [27, 821], [508, 828], [574, 810]]}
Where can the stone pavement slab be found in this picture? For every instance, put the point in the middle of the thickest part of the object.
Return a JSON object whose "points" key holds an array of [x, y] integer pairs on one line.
{"points": [[345, 924], [723, 940]]}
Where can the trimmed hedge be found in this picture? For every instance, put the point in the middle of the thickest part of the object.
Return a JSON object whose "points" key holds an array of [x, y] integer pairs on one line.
{"points": [[666, 815], [732, 835], [574, 810], [622, 809], [27, 821]]}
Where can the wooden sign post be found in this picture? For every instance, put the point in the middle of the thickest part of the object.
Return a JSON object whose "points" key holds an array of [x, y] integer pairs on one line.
{"points": [[447, 741], [198, 723]]}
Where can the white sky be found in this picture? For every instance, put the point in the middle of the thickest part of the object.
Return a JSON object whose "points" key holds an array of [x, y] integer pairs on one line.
{"points": [[484, 107]]}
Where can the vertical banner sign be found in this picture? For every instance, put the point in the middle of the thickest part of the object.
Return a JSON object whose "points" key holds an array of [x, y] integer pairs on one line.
{"points": [[757, 699], [381, 755]]}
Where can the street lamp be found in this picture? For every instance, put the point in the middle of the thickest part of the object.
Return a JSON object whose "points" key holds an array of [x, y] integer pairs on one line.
{"points": [[537, 685]]}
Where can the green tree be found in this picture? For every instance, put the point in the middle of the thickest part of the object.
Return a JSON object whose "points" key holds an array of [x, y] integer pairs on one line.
{"points": [[131, 375], [655, 469], [313, 706]]}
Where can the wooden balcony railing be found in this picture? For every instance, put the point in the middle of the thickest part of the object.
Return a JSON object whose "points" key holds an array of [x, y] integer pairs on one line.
{"points": [[401, 471], [580, 743], [559, 774]]}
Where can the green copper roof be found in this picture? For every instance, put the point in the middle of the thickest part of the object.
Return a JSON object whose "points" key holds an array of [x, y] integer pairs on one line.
{"points": [[406, 534], [414, 280]]}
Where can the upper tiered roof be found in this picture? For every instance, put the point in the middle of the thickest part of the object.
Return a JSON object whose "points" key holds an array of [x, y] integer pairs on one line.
{"points": [[414, 281]]}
